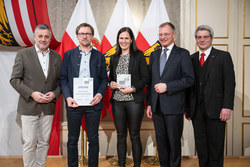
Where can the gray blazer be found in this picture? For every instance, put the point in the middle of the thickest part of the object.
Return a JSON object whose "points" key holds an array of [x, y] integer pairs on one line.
{"points": [[27, 76]]}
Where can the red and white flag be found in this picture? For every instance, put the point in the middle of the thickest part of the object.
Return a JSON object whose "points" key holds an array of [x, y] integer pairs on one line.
{"points": [[147, 39], [82, 14], [121, 17], [19, 19]]}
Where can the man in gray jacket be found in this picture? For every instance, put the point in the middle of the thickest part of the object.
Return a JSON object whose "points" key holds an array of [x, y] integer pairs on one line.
{"points": [[35, 77]]}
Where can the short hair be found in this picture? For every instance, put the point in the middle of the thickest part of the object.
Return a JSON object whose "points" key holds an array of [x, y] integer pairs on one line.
{"points": [[42, 27], [169, 24], [204, 27], [133, 48], [85, 25]]}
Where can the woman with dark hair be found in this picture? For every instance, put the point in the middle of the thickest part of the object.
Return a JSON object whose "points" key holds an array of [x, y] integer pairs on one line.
{"points": [[128, 101]]}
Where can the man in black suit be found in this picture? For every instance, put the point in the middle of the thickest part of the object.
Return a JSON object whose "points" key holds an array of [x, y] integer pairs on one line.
{"points": [[171, 72], [211, 99], [83, 62]]}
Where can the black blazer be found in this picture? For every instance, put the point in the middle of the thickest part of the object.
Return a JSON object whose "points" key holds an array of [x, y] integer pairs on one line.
{"points": [[70, 69], [219, 84], [178, 75], [139, 74]]}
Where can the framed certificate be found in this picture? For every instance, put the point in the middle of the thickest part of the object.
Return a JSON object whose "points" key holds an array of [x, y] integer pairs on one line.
{"points": [[124, 80], [83, 91]]}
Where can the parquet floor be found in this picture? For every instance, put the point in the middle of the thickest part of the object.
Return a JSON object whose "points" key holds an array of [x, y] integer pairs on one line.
{"points": [[59, 161]]}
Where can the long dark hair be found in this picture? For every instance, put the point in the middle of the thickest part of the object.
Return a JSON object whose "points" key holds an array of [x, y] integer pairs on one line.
{"points": [[133, 48]]}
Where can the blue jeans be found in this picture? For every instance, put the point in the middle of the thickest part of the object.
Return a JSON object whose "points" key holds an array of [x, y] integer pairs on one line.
{"points": [[92, 119]]}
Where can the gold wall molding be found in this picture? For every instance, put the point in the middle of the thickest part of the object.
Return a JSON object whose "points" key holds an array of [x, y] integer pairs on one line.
{"points": [[243, 82], [243, 134], [244, 20], [215, 37]]}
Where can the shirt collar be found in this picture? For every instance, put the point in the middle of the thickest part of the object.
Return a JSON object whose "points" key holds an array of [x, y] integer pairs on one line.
{"points": [[207, 52], [170, 47], [39, 51], [85, 52]]}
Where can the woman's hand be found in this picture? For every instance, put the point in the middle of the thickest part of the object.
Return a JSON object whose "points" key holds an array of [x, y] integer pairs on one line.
{"points": [[126, 90]]}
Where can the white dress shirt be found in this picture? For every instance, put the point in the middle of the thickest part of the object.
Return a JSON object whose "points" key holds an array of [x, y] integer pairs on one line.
{"points": [[44, 60]]}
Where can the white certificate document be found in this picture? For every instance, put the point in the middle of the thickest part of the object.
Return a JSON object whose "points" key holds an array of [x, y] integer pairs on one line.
{"points": [[124, 80], [83, 91]]}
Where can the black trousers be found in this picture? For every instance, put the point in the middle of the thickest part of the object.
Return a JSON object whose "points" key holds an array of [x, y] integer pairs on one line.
{"points": [[92, 119], [168, 132], [128, 115], [209, 138]]}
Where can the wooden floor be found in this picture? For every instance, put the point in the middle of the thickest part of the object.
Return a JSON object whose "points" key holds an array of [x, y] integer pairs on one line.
{"points": [[58, 161]]}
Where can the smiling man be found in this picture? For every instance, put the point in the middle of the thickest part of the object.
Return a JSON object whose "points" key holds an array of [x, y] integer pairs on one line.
{"points": [[171, 72], [211, 99], [35, 77], [83, 62]]}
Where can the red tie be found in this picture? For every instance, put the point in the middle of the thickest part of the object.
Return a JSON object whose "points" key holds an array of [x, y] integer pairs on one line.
{"points": [[202, 59]]}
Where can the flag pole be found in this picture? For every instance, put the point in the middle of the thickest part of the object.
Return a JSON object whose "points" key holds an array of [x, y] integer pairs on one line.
{"points": [[154, 161], [83, 161]]}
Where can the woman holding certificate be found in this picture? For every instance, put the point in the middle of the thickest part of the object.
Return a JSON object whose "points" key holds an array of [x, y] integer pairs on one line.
{"points": [[127, 78]]}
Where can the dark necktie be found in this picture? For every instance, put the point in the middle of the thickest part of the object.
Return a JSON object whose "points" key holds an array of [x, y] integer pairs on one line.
{"points": [[163, 60], [202, 59]]}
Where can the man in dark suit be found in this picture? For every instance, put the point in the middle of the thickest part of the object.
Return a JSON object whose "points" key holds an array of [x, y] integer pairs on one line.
{"points": [[211, 99], [171, 72], [35, 77], [83, 62]]}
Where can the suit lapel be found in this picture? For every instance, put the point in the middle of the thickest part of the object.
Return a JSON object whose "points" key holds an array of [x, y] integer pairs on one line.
{"points": [[131, 63], [92, 62], [170, 59], [157, 58], [196, 61], [37, 62], [76, 60], [51, 60], [210, 62]]}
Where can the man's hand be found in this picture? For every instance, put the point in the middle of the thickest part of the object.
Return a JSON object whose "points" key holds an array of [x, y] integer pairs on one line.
{"points": [[225, 114], [71, 102], [39, 97], [96, 99], [160, 88], [149, 112], [113, 85], [50, 96]]}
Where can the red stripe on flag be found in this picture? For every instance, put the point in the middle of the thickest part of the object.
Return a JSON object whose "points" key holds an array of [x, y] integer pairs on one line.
{"points": [[141, 42], [105, 45], [31, 14], [19, 22], [66, 44], [54, 142], [41, 12]]}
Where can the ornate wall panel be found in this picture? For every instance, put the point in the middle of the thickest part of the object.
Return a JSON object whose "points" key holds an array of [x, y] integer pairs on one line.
{"points": [[214, 13], [245, 139], [246, 19], [246, 82]]}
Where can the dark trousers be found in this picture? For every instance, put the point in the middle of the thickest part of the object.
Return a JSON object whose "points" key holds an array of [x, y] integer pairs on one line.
{"points": [[209, 138], [92, 119], [168, 132], [128, 114]]}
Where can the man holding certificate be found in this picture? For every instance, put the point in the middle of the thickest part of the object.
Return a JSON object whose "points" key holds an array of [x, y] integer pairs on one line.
{"points": [[83, 81]]}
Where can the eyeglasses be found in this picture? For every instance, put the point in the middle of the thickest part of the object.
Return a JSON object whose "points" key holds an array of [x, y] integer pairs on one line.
{"points": [[84, 34], [202, 37]]}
